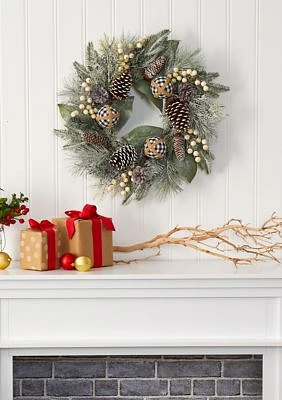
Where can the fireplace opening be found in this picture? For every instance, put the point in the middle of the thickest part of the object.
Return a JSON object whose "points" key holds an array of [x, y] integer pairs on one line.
{"points": [[194, 377]]}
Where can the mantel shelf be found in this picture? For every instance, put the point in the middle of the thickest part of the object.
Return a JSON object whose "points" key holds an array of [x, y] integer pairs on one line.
{"points": [[156, 269]]}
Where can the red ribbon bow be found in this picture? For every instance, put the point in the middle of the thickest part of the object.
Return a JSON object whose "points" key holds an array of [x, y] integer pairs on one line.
{"points": [[48, 227], [89, 212]]}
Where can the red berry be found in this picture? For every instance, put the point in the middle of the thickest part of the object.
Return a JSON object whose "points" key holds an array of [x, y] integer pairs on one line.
{"points": [[18, 210], [8, 217], [24, 212], [21, 221], [13, 221], [23, 207]]}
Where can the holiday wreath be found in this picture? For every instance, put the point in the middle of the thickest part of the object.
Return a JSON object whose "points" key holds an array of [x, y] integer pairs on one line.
{"points": [[99, 103]]}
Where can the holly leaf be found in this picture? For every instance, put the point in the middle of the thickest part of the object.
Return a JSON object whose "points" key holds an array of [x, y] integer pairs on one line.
{"points": [[187, 168], [143, 87], [138, 135], [65, 111], [125, 109]]}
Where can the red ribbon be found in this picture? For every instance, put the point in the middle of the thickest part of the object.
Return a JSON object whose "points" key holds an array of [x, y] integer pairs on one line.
{"points": [[48, 227], [89, 212]]}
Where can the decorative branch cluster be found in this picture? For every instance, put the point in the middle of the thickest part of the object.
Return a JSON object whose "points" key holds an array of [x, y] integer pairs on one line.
{"points": [[234, 241]]}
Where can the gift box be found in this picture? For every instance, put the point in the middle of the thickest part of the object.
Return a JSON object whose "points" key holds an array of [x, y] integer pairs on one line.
{"points": [[86, 233], [40, 246]]}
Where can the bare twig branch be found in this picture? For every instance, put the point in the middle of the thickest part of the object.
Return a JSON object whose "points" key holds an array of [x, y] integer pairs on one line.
{"points": [[233, 241]]}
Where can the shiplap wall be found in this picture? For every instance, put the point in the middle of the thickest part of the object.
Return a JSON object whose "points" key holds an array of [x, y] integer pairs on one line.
{"points": [[239, 38]]}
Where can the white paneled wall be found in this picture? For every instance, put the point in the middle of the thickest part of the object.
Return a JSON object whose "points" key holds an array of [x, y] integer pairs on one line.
{"points": [[240, 38]]}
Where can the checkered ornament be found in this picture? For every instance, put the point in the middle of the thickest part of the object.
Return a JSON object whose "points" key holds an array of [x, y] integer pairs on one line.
{"points": [[107, 117], [154, 147], [161, 87]]}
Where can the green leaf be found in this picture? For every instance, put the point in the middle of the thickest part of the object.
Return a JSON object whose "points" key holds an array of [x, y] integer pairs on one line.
{"points": [[138, 135], [65, 111], [81, 70], [125, 109], [187, 168], [143, 87]]}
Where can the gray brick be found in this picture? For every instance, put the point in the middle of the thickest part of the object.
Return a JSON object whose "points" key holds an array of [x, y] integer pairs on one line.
{"points": [[32, 369], [252, 387], [234, 398], [80, 369], [204, 387], [176, 398], [107, 398], [148, 387], [180, 387], [49, 398], [33, 387], [183, 369], [246, 369], [107, 387], [230, 357], [63, 387], [16, 387], [131, 369], [184, 357], [228, 387]]}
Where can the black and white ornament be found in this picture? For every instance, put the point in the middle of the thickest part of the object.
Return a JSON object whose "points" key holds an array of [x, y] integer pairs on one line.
{"points": [[155, 147], [161, 87], [107, 116]]}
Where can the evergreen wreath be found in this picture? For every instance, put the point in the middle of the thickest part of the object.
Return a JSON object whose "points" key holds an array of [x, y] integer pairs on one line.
{"points": [[98, 103]]}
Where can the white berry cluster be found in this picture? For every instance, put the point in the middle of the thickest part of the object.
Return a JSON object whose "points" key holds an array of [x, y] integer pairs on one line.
{"points": [[182, 75], [123, 183], [85, 107], [127, 54], [194, 142]]}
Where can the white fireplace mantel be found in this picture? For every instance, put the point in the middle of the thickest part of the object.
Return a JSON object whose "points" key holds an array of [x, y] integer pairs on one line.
{"points": [[158, 307]]}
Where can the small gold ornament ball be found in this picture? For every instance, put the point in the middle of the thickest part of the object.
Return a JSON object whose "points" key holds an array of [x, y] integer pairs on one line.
{"points": [[5, 260], [83, 264]]}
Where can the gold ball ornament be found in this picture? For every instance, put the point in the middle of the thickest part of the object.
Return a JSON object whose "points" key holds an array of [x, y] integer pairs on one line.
{"points": [[83, 263], [5, 260]]}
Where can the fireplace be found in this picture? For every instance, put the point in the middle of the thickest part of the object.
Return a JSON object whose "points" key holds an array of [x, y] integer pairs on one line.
{"points": [[205, 310], [116, 377]]}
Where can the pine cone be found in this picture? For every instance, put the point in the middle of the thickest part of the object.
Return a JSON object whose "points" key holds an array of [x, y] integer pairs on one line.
{"points": [[154, 68], [94, 138], [100, 95], [178, 114], [124, 157], [187, 91], [138, 175], [179, 147], [120, 86]]}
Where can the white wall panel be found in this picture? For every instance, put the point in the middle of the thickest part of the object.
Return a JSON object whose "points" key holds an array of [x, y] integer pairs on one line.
{"points": [[14, 97], [268, 117], [242, 109], [40, 49], [240, 39], [70, 47]]}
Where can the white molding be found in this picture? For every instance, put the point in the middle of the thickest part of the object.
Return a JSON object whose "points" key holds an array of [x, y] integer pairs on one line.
{"points": [[159, 307]]}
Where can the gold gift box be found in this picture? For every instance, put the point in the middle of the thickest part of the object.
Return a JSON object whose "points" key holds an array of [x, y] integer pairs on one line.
{"points": [[81, 244], [34, 250]]}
